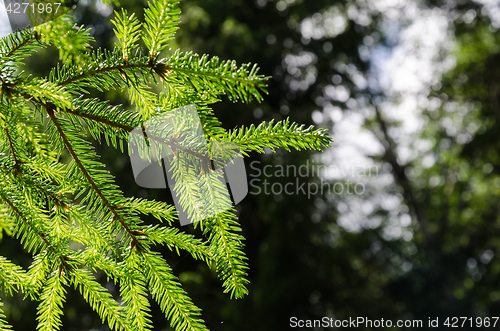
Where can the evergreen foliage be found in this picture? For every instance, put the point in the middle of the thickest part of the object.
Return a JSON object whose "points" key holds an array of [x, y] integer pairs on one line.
{"points": [[49, 205]]}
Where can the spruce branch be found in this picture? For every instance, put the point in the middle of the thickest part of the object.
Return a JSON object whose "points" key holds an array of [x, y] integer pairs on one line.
{"points": [[4, 326], [47, 203], [52, 299], [12, 276], [115, 123], [133, 290], [162, 18], [173, 300], [37, 274], [102, 70], [18, 45], [281, 134], [32, 245], [229, 256], [31, 234], [17, 161], [100, 300], [88, 177], [176, 240], [73, 42], [127, 31], [222, 77]]}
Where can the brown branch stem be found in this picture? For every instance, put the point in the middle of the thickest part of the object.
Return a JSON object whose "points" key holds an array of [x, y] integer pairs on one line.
{"points": [[124, 127], [50, 111], [25, 42], [103, 70]]}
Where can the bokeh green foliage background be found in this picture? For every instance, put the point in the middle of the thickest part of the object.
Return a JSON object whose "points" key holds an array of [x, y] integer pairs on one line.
{"points": [[302, 262]]}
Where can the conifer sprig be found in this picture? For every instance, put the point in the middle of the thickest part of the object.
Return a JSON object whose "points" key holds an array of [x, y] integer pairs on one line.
{"points": [[4, 326], [128, 32], [281, 134], [223, 77], [16, 46], [46, 203], [162, 19], [12, 276]]}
